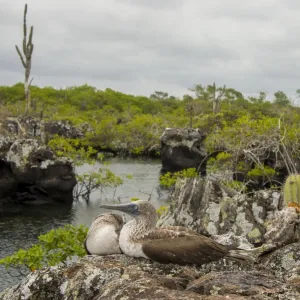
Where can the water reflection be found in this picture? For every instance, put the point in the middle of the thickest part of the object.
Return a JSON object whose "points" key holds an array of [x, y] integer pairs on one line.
{"points": [[20, 227]]}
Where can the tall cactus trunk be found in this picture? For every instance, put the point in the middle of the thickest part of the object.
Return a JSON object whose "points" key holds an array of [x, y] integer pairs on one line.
{"points": [[291, 190], [27, 87], [27, 95], [27, 48]]}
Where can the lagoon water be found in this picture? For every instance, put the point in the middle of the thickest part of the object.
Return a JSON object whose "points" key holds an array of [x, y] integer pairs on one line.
{"points": [[20, 228]]}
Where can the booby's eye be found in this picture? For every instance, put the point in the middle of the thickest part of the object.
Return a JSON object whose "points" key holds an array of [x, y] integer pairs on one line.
{"points": [[135, 207]]}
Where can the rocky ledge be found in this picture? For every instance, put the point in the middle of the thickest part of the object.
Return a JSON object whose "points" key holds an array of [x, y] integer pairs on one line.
{"points": [[32, 127], [213, 209], [31, 173], [182, 149], [121, 277], [261, 224]]}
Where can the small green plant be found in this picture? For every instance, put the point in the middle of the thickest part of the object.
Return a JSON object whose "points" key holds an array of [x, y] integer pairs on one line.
{"points": [[73, 149], [222, 161], [138, 150], [236, 185], [91, 181], [134, 199], [162, 210], [169, 179], [223, 156], [87, 182], [291, 189], [53, 248], [261, 171]]}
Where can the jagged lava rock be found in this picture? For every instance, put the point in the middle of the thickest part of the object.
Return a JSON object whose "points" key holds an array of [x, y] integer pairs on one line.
{"points": [[33, 127], [182, 149], [237, 282], [123, 277], [284, 262], [209, 208], [63, 128], [30, 172]]}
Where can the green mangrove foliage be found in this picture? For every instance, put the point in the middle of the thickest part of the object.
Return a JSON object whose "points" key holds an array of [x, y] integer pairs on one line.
{"points": [[87, 182], [100, 180], [53, 248], [261, 171], [74, 149], [253, 142], [223, 160], [122, 123]]}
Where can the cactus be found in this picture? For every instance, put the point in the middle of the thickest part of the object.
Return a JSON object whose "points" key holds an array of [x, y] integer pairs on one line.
{"points": [[27, 48], [291, 190]]}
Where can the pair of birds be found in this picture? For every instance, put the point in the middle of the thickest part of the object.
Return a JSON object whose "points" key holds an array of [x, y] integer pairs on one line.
{"points": [[140, 238]]}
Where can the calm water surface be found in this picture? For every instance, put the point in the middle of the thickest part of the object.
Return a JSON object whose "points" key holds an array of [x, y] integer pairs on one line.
{"points": [[20, 228]]}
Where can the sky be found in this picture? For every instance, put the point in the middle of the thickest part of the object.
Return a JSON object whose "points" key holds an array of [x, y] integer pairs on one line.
{"points": [[142, 46]]}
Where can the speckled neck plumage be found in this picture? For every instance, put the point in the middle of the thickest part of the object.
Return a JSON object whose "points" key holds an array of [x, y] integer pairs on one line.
{"points": [[171, 244]]}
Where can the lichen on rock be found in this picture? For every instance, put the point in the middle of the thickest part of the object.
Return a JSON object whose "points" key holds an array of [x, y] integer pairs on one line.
{"points": [[123, 277], [30, 171], [204, 206]]}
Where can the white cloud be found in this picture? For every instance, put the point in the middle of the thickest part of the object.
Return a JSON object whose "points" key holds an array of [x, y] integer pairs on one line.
{"points": [[138, 46]]}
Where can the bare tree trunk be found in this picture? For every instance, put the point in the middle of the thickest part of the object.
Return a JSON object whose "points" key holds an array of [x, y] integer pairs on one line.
{"points": [[191, 113], [26, 59], [217, 99], [214, 98], [216, 106]]}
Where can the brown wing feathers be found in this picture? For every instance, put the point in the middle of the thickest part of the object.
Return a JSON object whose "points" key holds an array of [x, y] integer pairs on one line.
{"points": [[181, 247]]}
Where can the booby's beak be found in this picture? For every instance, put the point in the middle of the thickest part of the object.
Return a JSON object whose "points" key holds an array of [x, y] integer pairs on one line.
{"points": [[129, 208]]}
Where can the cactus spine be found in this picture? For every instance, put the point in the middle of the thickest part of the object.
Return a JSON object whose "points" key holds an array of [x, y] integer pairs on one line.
{"points": [[291, 190], [27, 48]]}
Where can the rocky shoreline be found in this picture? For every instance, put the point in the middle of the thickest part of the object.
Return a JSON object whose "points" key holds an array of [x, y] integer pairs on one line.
{"points": [[121, 277], [198, 204]]}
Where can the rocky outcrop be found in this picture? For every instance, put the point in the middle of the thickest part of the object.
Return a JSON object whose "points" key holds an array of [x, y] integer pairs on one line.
{"points": [[182, 149], [31, 173], [285, 263], [185, 148], [64, 128], [213, 209], [237, 283], [31, 127], [121, 277]]}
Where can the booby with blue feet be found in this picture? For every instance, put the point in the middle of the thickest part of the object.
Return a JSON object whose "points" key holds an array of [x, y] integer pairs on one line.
{"points": [[173, 244]]}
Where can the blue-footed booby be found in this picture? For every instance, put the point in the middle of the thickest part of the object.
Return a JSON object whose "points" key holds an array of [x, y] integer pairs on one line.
{"points": [[103, 235], [173, 244]]}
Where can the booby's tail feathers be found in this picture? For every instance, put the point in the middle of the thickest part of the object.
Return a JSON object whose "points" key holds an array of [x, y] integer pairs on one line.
{"points": [[241, 255]]}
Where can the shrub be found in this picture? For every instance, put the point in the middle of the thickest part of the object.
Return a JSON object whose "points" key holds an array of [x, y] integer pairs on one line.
{"points": [[55, 247]]}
